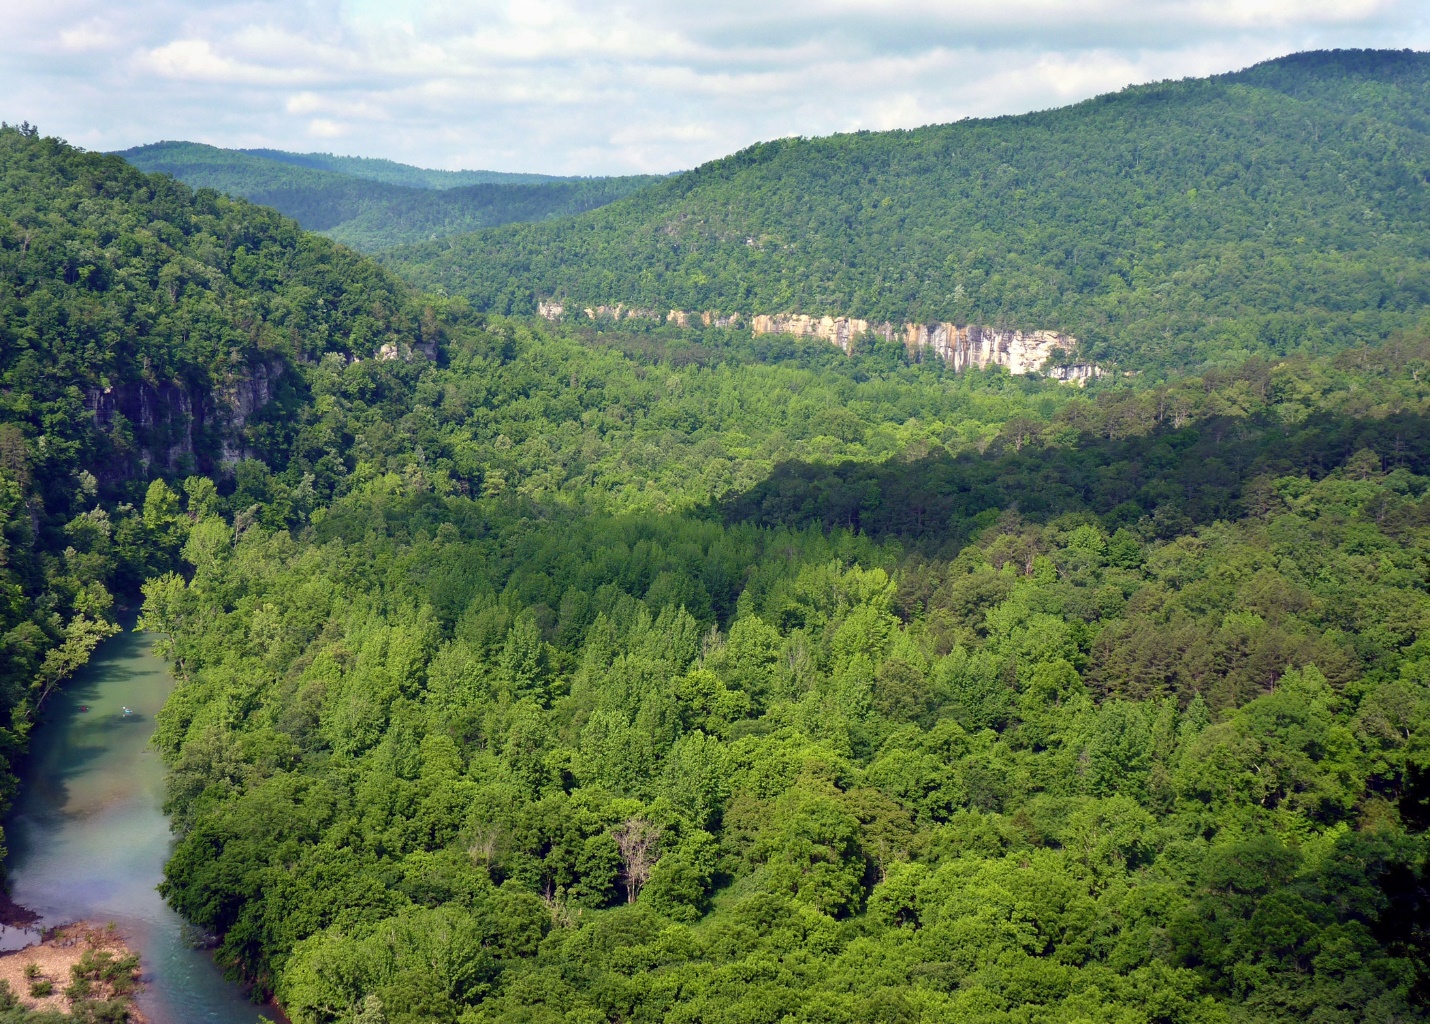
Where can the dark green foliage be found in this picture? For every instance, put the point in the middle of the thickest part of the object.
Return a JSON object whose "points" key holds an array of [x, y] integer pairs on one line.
{"points": [[140, 323], [640, 675], [1280, 209], [377, 207]]}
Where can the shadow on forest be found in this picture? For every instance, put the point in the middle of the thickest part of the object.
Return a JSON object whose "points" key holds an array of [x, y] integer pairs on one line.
{"points": [[1217, 469]]}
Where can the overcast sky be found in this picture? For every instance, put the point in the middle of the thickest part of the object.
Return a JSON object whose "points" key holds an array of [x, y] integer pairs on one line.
{"points": [[599, 87]]}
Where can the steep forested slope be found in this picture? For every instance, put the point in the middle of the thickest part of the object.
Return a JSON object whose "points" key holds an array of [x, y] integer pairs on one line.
{"points": [[536, 672], [1283, 208], [140, 327], [363, 207], [442, 758]]}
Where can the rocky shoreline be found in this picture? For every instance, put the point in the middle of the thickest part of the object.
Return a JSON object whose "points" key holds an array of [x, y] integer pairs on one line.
{"points": [[76, 967]]}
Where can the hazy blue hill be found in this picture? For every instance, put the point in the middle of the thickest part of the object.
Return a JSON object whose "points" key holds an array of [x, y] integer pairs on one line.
{"points": [[393, 173], [227, 170], [1276, 209], [529, 672], [347, 204]]}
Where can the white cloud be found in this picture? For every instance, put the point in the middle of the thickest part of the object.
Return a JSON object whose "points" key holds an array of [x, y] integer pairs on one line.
{"points": [[322, 128], [90, 37], [602, 86], [196, 60], [315, 103]]}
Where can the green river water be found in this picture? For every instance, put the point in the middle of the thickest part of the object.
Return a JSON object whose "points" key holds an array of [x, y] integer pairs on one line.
{"points": [[88, 839]]}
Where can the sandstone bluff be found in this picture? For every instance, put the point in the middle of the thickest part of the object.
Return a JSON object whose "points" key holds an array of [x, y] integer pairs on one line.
{"points": [[963, 346]]}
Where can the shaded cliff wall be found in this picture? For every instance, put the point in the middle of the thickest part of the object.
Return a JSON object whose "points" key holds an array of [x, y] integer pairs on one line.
{"points": [[179, 426]]}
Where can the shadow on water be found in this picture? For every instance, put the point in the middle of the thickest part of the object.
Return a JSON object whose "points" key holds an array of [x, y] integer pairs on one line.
{"points": [[88, 838]]}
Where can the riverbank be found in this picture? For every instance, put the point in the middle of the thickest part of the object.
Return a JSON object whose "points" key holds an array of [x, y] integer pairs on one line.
{"points": [[88, 837], [75, 963]]}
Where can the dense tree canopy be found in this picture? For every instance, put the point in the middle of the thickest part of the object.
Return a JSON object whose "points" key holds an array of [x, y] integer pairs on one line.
{"points": [[377, 204], [534, 672], [1280, 209], [134, 316], [653, 767]]}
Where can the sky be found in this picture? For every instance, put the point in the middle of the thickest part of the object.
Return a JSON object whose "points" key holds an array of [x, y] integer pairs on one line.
{"points": [[603, 87]]}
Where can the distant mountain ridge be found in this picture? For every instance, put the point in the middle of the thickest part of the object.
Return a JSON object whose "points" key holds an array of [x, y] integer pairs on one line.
{"points": [[528, 676], [1283, 208], [390, 172], [376, 204]]}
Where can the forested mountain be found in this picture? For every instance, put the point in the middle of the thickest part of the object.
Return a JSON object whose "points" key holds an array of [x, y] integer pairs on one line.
{"points": [[376, 204], [140, 325], [538, 672], [393, 173], [1279, 209]]}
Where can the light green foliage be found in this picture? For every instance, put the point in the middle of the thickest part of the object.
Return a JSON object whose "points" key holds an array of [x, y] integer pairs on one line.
{"points": [[1169, 225], [858, 804]]}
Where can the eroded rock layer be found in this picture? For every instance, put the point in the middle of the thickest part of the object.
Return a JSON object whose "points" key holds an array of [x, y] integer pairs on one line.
{"points": [[963, 346]]}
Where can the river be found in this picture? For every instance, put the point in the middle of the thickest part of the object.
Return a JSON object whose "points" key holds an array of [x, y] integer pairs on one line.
{"points": [[88, 838]]}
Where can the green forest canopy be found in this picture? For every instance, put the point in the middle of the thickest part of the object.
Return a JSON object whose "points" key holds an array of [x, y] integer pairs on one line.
{"points": [[394, 173], [377, 204], [1279, 209], [546, 673], [730, 764], [127, 301]]}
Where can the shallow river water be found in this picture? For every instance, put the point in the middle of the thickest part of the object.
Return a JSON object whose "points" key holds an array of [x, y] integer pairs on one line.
{"points": [[88, 839]]}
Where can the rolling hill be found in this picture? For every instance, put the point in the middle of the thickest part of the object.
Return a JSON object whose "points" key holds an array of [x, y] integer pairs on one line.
{"points": [[376, 204], [1279, 209], [393, 173], [528, 672]]}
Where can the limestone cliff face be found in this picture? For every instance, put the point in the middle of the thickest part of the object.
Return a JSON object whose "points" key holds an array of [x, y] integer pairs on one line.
{"points": [[164, 420], [177, 427], [839, 331], [1075, 373], [617, 312], [962, 346], [971, 346]]}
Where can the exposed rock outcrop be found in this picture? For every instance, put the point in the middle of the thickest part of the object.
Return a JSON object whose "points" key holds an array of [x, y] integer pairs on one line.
{"points": [[962, 346], [238, 398], [972, 346], [176, 426], [840, 331], [1075, 373], [162, 418], [620, 312]]}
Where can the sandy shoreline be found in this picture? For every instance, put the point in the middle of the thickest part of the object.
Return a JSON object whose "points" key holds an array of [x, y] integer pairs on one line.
{"points": [[84, 944]]}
